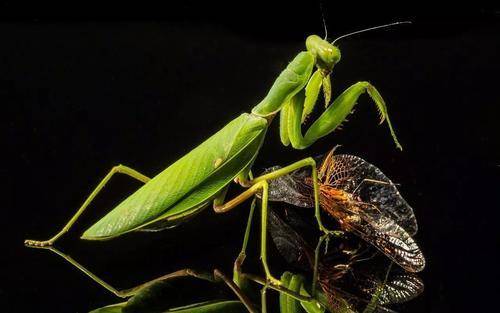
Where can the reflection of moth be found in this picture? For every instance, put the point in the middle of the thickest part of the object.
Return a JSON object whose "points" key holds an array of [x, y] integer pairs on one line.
{"points": [[348, 284]]}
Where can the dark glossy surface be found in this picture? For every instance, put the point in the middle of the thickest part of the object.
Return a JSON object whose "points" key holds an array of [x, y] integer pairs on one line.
{"points": [[78, 98]]}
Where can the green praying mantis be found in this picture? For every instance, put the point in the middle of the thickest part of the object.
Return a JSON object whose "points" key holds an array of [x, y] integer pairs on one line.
{"points": [[202, 176]]}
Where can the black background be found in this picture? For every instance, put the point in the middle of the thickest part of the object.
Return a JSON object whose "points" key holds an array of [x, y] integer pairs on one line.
{"points": [[82, 91]]}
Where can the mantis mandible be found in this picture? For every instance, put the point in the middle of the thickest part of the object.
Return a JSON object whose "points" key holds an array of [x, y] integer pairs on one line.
{"points": [[203, 176]]}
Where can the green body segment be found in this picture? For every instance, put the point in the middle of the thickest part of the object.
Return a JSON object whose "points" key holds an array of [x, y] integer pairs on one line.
{"points": [[289, 304], [190, 183], [312, 91], [293, 79]]}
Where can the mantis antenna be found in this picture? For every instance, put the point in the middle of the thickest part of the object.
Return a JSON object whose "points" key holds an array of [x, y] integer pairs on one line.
{"points": [[369, 29], [323, 18]]}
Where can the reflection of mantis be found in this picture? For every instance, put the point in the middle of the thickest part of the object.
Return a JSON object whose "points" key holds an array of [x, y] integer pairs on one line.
{"points": [[148, 296], [203, 175], [142, 295]]}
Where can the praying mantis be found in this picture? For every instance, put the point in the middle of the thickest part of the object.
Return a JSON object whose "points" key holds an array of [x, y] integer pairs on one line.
{"points": [[203, 175]]}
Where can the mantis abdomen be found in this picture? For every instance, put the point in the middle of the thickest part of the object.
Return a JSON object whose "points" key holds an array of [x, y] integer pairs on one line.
{"points": [[188, 183]]}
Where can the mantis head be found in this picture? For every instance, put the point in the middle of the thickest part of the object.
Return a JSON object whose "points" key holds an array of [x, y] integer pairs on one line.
{"points": [[326, 54]]}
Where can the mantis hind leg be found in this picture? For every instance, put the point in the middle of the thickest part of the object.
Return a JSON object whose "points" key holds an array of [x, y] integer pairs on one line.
{"points": [[317, 212], [240, 278], [237, 277], [261, 184], [116, 169]]}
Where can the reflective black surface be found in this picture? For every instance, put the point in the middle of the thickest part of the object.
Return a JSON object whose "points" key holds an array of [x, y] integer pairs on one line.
{"points": [[80, 97]]}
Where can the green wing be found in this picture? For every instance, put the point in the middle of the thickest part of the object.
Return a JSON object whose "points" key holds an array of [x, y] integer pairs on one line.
{"points": [[190, 182]]}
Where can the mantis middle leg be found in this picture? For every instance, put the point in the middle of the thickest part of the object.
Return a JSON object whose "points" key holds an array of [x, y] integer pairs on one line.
{"points": [[260, 184], [242, 255], [241, 279], [116, 169]]}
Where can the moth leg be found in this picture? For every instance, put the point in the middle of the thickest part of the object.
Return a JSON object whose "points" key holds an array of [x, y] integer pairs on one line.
{"points": [[366, 180]]}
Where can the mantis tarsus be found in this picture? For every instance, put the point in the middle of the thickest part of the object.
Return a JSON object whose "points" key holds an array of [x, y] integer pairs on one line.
{"points": [[203, 175]]}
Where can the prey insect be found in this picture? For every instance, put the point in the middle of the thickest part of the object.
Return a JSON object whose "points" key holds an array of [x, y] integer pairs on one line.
{"points": [[363, 201], [202, 176], [347, 280]]}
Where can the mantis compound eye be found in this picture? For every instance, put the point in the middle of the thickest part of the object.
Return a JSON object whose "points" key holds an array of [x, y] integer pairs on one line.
{"points": [[327, 55]]}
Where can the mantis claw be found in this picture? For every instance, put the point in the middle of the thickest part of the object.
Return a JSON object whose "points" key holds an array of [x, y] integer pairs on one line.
{"points": [[335, 233], [239, 261], [38, 244], [273, 281]]}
